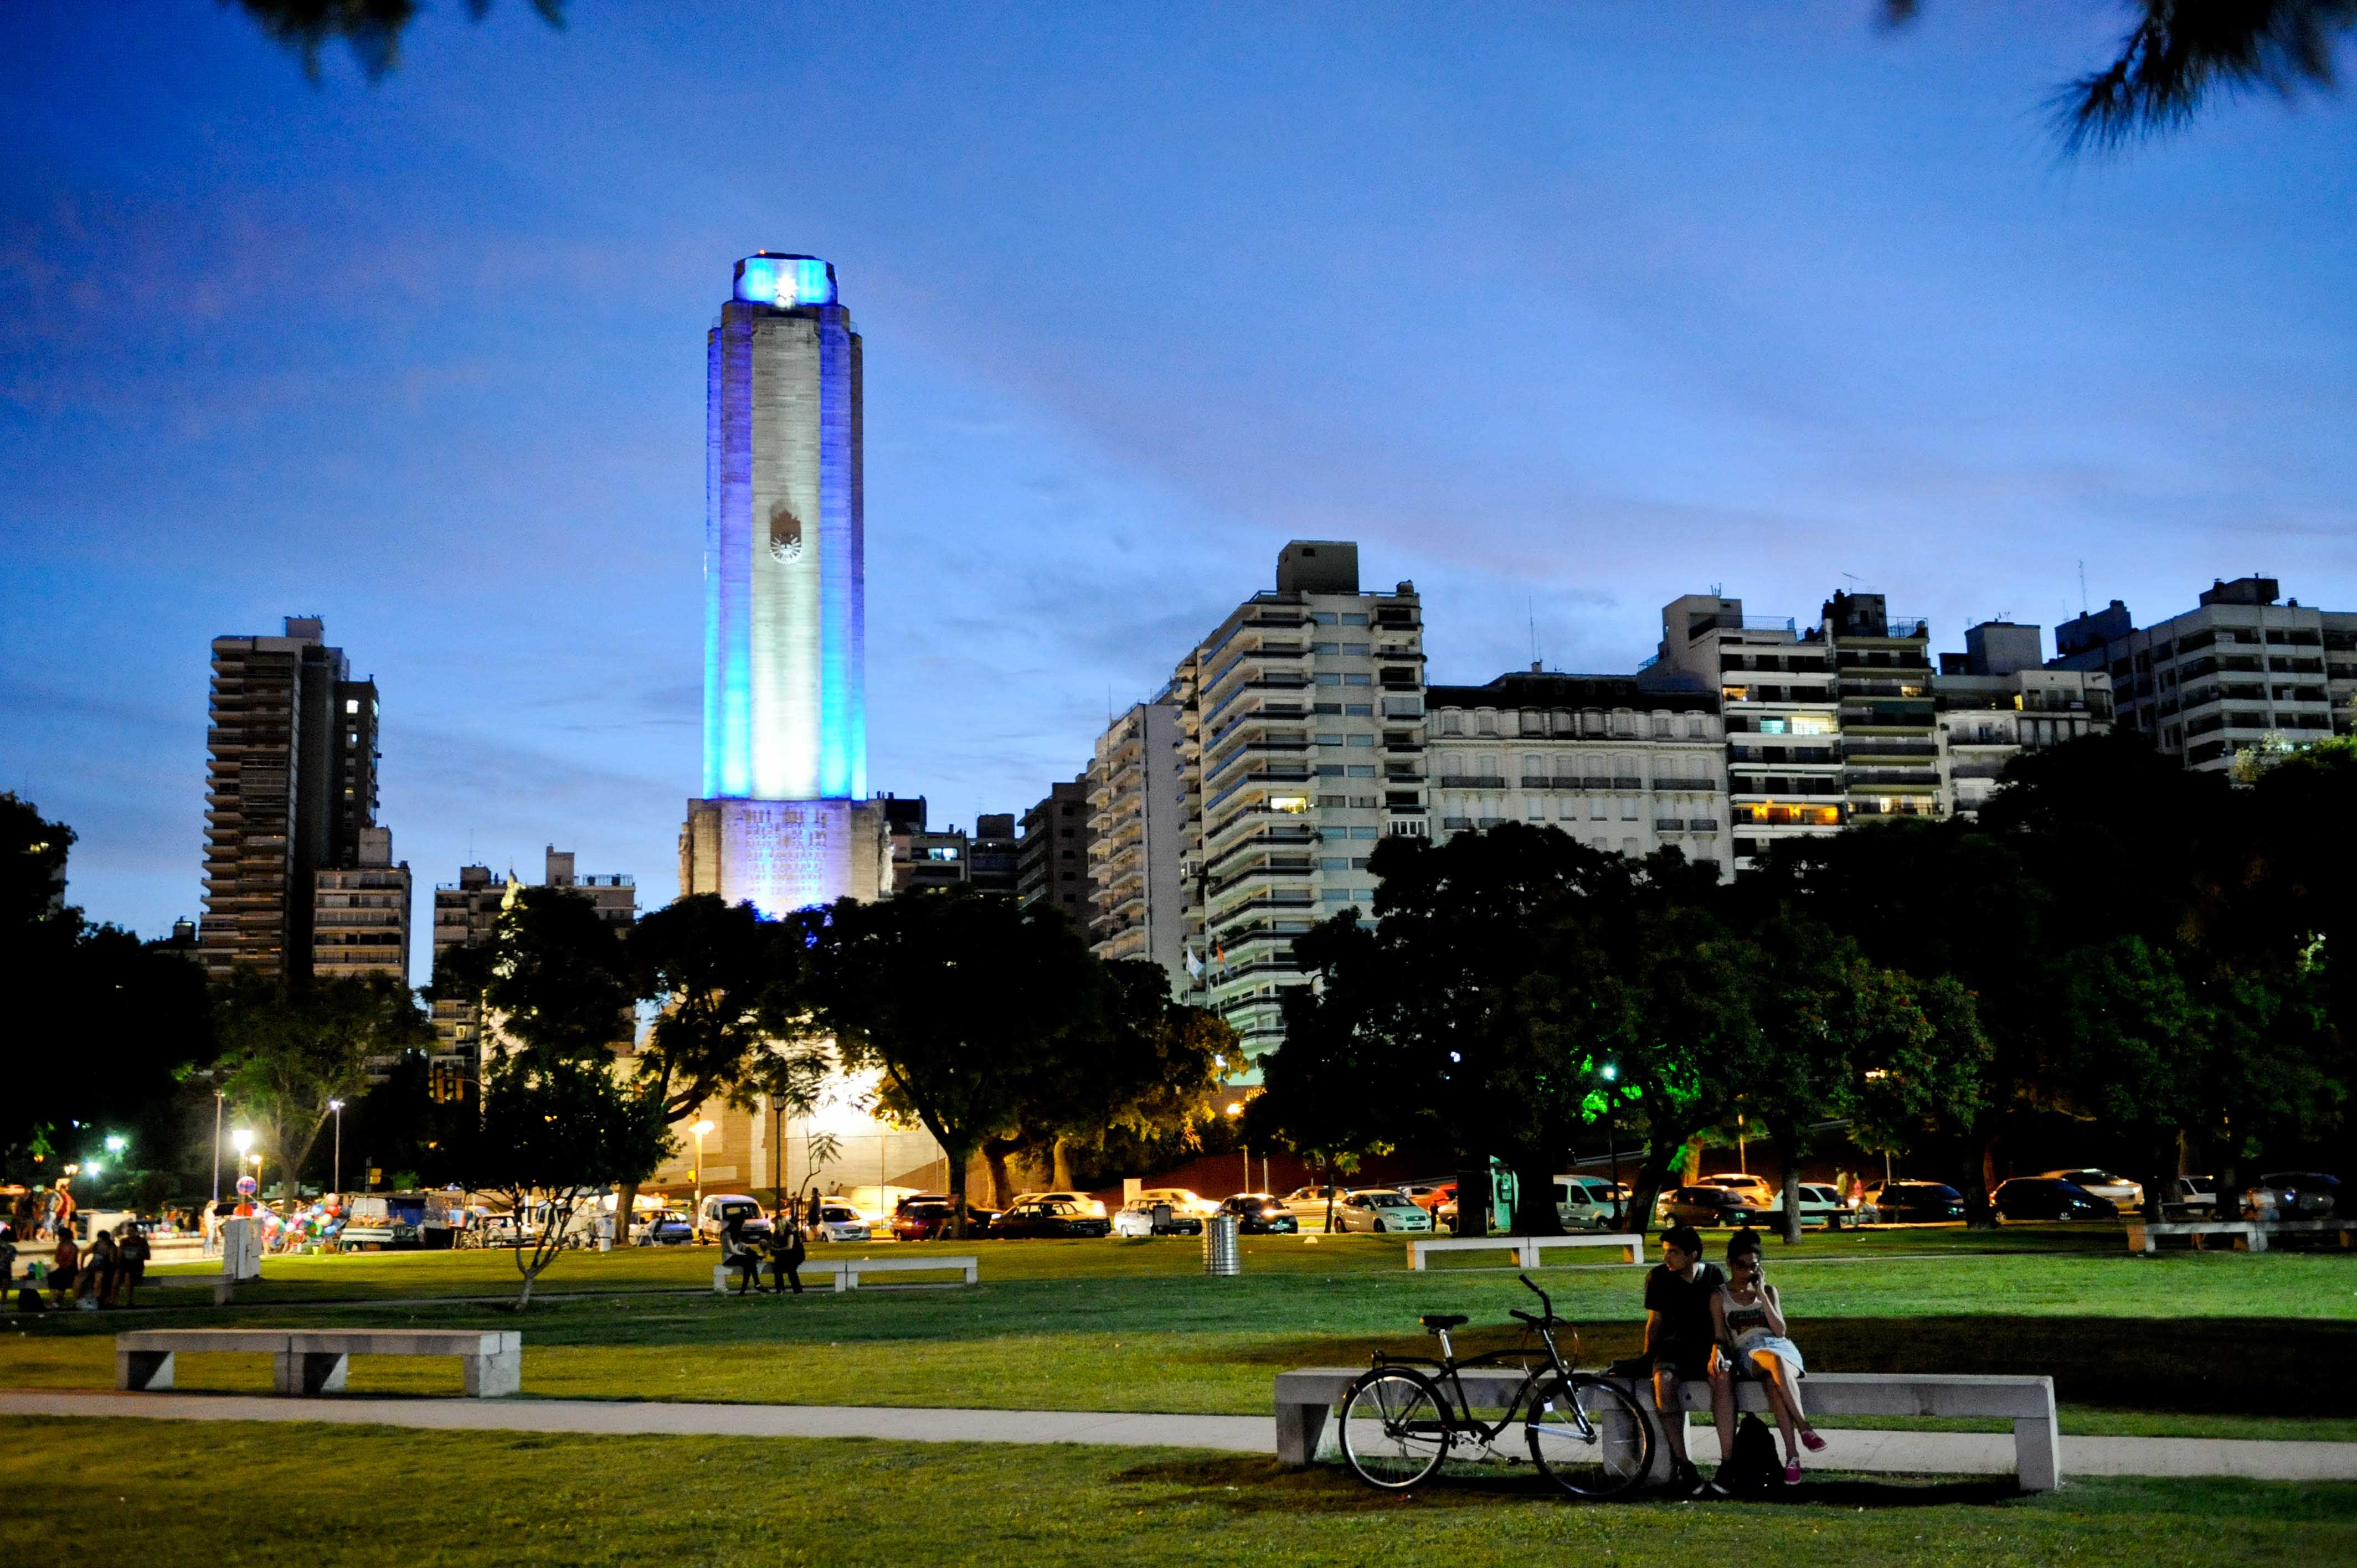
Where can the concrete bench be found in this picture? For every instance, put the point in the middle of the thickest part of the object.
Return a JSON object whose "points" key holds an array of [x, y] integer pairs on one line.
{"points": [[1526, 1248], [315, 1361], [847, 1271], [2143, 1233], [1306, 1396]]}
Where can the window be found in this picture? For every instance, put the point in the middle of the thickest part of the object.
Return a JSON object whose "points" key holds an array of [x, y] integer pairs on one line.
{"points": [[1324, 739], [1357, 680], [1362, 770], [1629, 847], [1486, 723], [1322, 617], [1328, 678], [1452, 724], [1363, 833], [1336, 895], [1355, 651], [1334, 862], [1354, 620], [1661, 727], [1362, 740], [1329, 648], [1628, 808], [1337, 801], [1359, 710], [1697, 728], [1288, 802], [1599, 808], [351, 704]]}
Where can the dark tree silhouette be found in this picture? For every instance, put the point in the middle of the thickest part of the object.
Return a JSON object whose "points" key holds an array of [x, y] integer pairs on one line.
{"points": [[372, 29]]}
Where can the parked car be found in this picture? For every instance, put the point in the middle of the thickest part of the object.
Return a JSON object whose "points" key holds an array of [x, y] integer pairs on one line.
{"points": [[1915, 1202], [930, 1221], [2049, 1197], [672, 1228], [2195, 1192], [1139, 1219], [1182, 1201], [1707, 1206], [2293, 1194], [1586, 1203], [838, 1221], [1821, 1204], [2117, 1190], [1261, 1214], [1756, 1186], [1428, 1195], [1057, 1218], [1080, 1201], [719, 1208], [1377, 1210]]}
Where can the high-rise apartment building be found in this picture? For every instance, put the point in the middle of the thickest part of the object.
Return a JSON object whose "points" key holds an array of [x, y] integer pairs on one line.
{"points": [[783, 820], [2224, 675], [1996, 700], [992, 854], [360, 918], [1300, 741], [1052, 856], [1138, 839], [290, 788], [466, 914], [1616, 765], [1882, 676]]}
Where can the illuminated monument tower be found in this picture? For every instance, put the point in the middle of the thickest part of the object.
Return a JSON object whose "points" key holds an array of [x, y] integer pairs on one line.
{"points": [[784, 820]]}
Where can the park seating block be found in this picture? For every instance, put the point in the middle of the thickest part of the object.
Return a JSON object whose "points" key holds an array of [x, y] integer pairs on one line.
{"points": [[1529, 1251], [316, 1361]]}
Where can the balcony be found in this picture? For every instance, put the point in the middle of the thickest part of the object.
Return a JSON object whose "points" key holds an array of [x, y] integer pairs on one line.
{"points": [[1472, 781]]}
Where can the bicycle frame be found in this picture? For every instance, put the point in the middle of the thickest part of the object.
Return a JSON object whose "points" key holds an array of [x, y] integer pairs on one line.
{"points": [[1449, 1369]]}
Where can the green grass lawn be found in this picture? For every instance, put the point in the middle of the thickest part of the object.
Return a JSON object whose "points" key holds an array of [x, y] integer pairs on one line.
{"points": [[253, 1495], [2207, 1344]]}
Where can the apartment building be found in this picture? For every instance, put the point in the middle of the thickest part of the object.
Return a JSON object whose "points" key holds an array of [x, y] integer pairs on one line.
{"points": [[1053, 855], [1616, 765], [291, 784], [466, 914], [1137, 827], [1882, 679], [1996, 700], [2223, 676], [1300, 727], [359, 913], [992, 854]]}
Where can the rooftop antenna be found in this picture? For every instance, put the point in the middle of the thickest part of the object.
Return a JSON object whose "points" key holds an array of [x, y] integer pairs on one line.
{"points": [[1531, 609], [2083, 587]]}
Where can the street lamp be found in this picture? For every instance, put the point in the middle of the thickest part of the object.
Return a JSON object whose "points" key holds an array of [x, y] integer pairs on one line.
{"points": [[338, 1107], [1236, 1109], [116, 1143], [218, 1095], [700, 1128], [1610, 1073], [241, 1140]]}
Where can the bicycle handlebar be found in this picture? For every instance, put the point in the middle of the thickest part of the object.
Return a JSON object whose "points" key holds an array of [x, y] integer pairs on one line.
{"points": [[1545, 1303]]}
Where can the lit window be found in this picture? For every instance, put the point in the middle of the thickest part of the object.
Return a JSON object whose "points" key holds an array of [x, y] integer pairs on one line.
{"points": [[1288, 802], [351, 704]]}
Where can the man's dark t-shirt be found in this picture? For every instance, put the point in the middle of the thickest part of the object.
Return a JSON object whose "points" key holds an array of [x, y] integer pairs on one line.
{"points": [[1688, 1329]]}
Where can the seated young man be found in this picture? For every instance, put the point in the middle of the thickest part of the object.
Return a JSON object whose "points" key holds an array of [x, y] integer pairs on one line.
{"points": [[1681, 1342]]}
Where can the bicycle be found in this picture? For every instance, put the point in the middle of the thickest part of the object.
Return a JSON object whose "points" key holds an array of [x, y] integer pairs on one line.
{"points": [[1585, 1433]]}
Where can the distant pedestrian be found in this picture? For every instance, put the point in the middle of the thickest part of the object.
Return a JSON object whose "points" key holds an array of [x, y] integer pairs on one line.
{"points": [[786, 1255], [7, 1257], [65, 1270], [61, 1211], [98, 1268], [132, 1253]]}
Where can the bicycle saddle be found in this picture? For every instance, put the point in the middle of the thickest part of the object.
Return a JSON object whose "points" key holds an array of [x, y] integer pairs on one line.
{"points": [[1437, 1321]]}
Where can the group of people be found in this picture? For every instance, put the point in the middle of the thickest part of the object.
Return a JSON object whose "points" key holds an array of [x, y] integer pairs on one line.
{"points": [[783, 1248], [105, 1273], [1706, 1324]]}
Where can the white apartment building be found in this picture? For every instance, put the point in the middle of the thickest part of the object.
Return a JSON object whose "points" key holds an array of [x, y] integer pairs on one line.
{"points": [[2225, 675], [359, 914], [1300, 736], [1617, 767], [1137, 839], [1996, 701]]}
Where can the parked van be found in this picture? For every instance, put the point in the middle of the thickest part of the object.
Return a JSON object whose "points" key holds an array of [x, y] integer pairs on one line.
{"points": [[1587, 1203], [720, 1208]]}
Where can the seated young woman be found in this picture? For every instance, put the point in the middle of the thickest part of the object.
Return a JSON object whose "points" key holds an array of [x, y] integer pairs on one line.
{"points": [[1750, 1319]]}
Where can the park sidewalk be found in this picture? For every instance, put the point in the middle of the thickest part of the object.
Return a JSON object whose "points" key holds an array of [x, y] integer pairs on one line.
{"points": [[1909, 1453]]}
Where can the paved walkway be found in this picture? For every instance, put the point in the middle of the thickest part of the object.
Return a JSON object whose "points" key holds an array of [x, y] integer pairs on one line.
{"points": [[1909, 1453]]}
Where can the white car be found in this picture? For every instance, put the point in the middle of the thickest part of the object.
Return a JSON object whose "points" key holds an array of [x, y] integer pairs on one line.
{"points": [[1378, 1210], [1182, 1201], [1094, 1208], [838, 1221], [1821, 1204], [1587, 1202], [1746, 1183], [2197, 1192], [2122, 1193]]}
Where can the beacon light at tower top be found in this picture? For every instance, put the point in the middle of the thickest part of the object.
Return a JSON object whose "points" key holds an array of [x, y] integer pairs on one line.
{"points": [[785, 282]]}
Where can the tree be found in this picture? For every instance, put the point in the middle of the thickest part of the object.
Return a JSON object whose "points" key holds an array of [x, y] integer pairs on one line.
{"points": [[556, 1134], [288, 1055], [372, 29], [2180, 54], [948, 996], [560, 982]]}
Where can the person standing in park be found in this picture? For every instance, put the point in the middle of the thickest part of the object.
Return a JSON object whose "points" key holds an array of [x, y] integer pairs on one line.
{"points": [[1682, 1344], [786, 1255], [61, 1209], [1751, 1326], [131, 1251]]}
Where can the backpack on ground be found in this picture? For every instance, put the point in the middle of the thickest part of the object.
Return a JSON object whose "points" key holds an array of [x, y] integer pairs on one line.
{"points": [[1752, 1467], [28, 1299]]}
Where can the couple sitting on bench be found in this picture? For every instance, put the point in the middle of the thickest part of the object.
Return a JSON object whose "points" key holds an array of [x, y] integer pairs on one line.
{"points": [[1703, 1324]]}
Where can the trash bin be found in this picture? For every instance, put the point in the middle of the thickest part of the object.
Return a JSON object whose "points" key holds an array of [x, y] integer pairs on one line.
{"points": [[1221, 1255]]}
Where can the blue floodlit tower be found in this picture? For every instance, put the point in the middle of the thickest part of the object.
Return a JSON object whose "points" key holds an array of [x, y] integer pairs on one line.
{"points": [[782, 821]]}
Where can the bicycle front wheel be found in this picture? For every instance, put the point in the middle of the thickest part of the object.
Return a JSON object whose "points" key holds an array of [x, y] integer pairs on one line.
{"points": [[1589, 1437], [1395, 1430]]}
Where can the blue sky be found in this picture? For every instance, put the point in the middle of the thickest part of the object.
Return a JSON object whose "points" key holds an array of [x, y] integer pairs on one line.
{"points": [[1560, 311]]}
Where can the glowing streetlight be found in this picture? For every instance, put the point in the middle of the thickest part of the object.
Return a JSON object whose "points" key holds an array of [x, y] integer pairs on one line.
{"points": [[338, 1107], [700, 1128], [1235, 1108], [116, 1143]]}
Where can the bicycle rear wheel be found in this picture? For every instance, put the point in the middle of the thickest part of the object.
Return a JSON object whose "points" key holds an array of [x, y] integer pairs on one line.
{"points": [[1395, 1429], [1589, 1437]]}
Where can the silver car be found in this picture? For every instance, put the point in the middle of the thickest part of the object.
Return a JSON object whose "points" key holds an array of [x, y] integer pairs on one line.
{"points": [[1378, 1210]]}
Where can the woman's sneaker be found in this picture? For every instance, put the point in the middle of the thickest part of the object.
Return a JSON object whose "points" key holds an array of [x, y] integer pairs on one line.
{"points": [[1793, 1473], [1813, 1442]]}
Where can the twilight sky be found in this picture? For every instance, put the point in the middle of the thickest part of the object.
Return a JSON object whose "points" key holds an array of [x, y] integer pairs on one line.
{"points": [[1559, 310]]}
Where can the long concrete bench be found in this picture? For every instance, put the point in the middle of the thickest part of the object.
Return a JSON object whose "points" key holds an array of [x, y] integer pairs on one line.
{"points": [[846, 1272], [2143, 1233], [315, 1361], [1527, 1250], [1306, 1396]]}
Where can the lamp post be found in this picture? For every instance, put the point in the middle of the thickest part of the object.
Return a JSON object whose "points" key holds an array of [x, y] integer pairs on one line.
{"points": [[241, 1140], [1236, 1109], [700, 1128], [338, 1107], [1610, 1074], [217, 1097]]}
